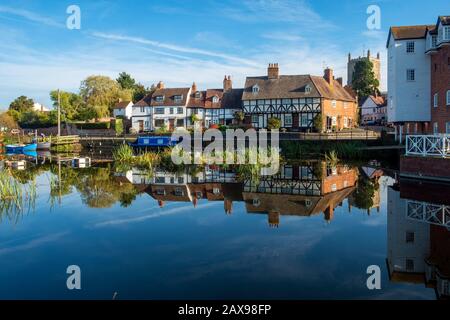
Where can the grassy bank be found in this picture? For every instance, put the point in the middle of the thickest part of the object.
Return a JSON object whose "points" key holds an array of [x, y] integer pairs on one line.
{"points": [[293, 150]]}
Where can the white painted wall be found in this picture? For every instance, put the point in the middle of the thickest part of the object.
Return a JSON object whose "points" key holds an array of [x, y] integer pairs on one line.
{"points": [[408, 101], [397, 226], [141, 114]]}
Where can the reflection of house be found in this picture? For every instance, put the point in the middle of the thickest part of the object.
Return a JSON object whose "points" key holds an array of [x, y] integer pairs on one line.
{"points": [[419, 235], [303, 190], [297, 100]]}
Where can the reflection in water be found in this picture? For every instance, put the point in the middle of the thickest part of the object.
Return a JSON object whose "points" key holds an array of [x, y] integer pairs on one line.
{"points": [[419, 234], [418, 220]]}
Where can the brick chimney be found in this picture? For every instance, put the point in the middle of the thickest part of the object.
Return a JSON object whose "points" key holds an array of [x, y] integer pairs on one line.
{"points": [[194, 87], [340, 80], [227, 83], [160, 85], [273, 71], [328, 76]]}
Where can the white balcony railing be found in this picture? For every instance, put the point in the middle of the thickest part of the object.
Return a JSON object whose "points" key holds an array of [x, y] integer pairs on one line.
{"points": [[428, 145], [428, 212]]}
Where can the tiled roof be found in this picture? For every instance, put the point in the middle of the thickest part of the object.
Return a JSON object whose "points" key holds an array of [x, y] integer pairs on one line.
{"points": [[232, 99], [410, 32], [197, 100], [210, 94], [169, 97], [380, 101], [294, 87], [122, 104]]}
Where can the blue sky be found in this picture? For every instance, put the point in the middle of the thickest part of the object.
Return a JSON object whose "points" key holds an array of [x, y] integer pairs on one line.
{"points": [[181, 41]]}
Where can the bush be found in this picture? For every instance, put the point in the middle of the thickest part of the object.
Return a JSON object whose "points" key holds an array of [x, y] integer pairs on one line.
{"points": [[273, 123], [93, 125], [118, 126]]}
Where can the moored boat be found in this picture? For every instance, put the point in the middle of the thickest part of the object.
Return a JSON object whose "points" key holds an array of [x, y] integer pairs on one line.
{"points": [[156, 141], [20, 148]]}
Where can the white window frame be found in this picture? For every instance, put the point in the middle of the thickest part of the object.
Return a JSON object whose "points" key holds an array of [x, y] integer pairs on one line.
{"points": [[288, 123], [333, 103], [435, 128], [255, 89], [448, 97], [253, 118], [410, 72], [159, 110], [436, 100], [446, 33], [447, 127], [215, 99], [159, 98], [410, 47], [304, 120]]}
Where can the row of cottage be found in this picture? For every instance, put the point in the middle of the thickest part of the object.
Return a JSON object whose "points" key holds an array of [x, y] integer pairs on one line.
{"points": [[303, 103]]}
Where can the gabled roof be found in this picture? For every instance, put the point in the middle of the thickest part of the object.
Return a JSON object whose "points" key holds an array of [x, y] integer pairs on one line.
{"points": [[210, 94], [291, 87], [144, 102], [197, 99], [380, 101], [122, 104], [169, 97], [409, 32]]}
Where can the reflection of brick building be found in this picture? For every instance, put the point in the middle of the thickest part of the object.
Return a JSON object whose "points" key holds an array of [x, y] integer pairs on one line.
{"points": [[305, 190]]}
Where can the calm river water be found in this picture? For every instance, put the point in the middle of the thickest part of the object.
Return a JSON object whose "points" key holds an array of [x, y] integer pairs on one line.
{"points": [[310, 232]]}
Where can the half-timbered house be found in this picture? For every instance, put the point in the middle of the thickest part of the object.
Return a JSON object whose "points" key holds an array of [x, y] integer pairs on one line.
{"points": [[300, 102]]}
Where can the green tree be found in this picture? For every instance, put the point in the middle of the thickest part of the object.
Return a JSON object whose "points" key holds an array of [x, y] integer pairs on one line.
{"points": [[126, 81], [364, 81], [7, 121], [22, 104], [140, 91], [71, 104], [239, 116], [101, 93]]}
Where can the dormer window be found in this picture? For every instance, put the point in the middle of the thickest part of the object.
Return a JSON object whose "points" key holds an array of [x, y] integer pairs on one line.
{"points": [[255, 88], [159, 98], [433, 41], [178, 98], [197, 95], [447, 33], [307, 88], [215, 99]]}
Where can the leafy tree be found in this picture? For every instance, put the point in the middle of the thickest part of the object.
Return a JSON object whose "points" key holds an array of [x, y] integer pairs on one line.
{"points": [[22, 104], [7, 121], [101, 93], [318, 123], [126, 81], [140, 91], [364, 81], [71, 104]]}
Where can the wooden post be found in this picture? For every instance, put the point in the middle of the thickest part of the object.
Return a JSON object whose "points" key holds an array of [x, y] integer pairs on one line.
{"points": [[59, 114]]}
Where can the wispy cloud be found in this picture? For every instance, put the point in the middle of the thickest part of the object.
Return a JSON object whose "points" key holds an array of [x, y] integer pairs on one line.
{"points": [[172, 47], [281, 36], [287, 11], [31, 16], [36, 242]]}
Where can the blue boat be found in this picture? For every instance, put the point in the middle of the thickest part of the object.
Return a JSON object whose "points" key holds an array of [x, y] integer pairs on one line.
{"points": [[20, 148], [152, 142]]}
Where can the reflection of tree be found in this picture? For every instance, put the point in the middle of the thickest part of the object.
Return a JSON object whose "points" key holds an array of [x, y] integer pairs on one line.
{"points": [[364, 193]]}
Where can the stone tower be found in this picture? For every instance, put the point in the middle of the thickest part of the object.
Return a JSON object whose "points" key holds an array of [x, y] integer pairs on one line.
{"points": [[352, 62]]}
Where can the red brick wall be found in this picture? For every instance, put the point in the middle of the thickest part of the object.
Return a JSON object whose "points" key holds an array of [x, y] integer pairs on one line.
{"points": [[440, 83], [350, 111], [425, 166]]}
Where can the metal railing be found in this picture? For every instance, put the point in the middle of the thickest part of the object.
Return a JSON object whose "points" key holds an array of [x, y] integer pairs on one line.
{"points": [[428, 145]]}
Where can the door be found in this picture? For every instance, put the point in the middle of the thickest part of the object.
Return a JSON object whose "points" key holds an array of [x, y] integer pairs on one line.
{"points": [[141, 125], [171, 124]]}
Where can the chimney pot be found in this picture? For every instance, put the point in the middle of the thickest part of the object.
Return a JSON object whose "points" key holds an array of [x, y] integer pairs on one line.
{"points": [[227, 83], [328, 76], [273, 71]]}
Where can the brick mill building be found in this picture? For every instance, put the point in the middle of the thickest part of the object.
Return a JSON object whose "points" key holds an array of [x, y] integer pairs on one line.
{"points": [[438, 48], [299, 101]]}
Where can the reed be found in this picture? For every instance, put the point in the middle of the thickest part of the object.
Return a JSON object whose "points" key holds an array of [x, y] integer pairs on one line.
{"points": [[124, 153]]}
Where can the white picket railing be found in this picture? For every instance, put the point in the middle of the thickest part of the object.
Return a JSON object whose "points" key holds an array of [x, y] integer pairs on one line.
{"points": [[437, 214], [428, 145]]}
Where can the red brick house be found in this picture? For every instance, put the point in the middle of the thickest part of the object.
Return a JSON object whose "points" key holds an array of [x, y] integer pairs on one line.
{"points": [[439, 49]]}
